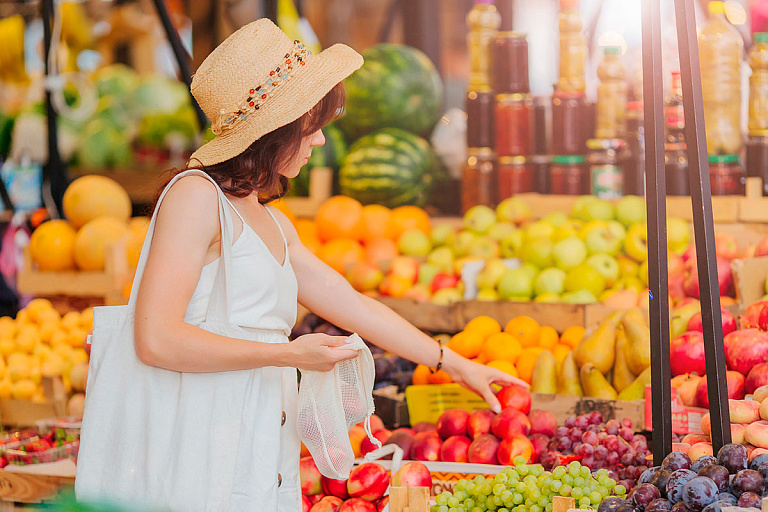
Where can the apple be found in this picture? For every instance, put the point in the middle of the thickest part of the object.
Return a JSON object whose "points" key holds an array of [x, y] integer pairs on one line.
{"points": [[440, 233], [729, 322], [426, 446], [675, 263], [602, 240], [412, 474], [627, 266], [687, 390], [424, 426], [367, 446], [382, 504], [311, 479], [404, 267], [483, 450], [364, 276], [620, 299], [676, 285], [367, 481], [414, 242], [579, 297], [395, 286], [726, 246], [687, 354], [680, 317], [547, 297], [757, 377], [734, 383], [569, 253], [745, 349], [678, 235], [357, 505], [538, 251], [510, 422], [442, 281], [511, 244], [490, 274], [643, 273], [636, 242], [585, 277], [460, 242], [567, 230], [751, 317], [607, 266], [762, 248], [452, 422], [418, 293], [543, 422], [487, 295], [540, 444], [306, 505], [501, 230], [479, 422], [447, 296], [539, 229], [455, 449], [513, 210], [512, 447], [484, 247], [442, 258], [516, 397], [479, 219], [402, 438], [724, 278], [427, 273], [588, 208], [332, 487], [557, 219], [630, 210], [327, 504], [550, 280], [515, 283]]}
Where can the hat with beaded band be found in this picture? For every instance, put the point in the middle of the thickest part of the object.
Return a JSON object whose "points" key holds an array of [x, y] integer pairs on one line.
{"points": [[258, 80]]}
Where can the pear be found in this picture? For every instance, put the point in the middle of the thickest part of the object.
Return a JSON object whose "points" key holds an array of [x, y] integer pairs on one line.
{"points": [[636, 390], [568, 382], [595, 384], [622, 376], [544, 379], [638, 351], [599, 347]]}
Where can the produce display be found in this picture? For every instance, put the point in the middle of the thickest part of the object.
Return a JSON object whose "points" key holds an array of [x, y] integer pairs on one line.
{"points": [[49, 447]]}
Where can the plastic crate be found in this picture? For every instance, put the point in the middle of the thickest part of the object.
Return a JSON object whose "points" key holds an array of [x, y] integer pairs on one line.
{"points": [[23, 458], [69, 424]]}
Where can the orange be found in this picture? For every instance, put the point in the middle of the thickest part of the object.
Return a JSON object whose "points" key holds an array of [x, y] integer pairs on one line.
{"points": [[467, 343], [380, 250], [93, 239], [421, 375], [548, 337], [526, 329], [572, 336], [560, 352], [404, 218], [375, 220], [504, 366], [527, 361], [305, 228], [339, 217], [502, 346], [93, 196], [52, 244], [483, 325], [440, 377], [340, 253]]}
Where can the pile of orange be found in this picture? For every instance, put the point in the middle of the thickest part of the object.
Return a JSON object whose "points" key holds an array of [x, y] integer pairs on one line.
{"points": [[513, 349]]}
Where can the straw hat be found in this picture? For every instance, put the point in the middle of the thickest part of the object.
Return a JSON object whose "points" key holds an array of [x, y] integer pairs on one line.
{"points": [[258, 80]]}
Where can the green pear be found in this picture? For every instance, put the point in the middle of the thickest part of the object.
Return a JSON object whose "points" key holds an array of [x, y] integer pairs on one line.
{"points": [[595, 384], [638, 351], [622, 376], [544, 379], [568, 382], [599, 348], [636, 390]]}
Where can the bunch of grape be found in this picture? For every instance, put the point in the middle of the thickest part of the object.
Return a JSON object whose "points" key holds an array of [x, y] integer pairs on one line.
{"points": [[611, 445], [529, 488]]}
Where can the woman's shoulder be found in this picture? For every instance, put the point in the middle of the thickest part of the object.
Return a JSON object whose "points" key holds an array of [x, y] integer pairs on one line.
{"points": [[191, 197]]}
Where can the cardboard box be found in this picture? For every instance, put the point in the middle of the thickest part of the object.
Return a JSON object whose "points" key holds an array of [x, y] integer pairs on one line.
{"points": [[749, 279], [685, 420]]}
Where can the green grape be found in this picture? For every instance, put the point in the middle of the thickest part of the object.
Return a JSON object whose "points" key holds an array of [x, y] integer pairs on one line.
{"points": [[566, 490], [498, 489], [611, 483], [453, 502], [485, 489], [620, 490], [595, 497], [535, 494], [520, 487], [517, 498], [442, 498], [434, 508], [442, 508], [530, 480], [558, 472], [522, 508], [556, 485], [519, 460], [585, 502], [460, 495], [501, 478], [453, 509], [604, 492], [543, 501], [504, 509], [573, 469], [469, 503], [536, 508], [460, 486], [586, 472], [528, 502], [578, 482], [549, 507], [481, 500], [506, 495], [522, 470], [498, 501], [479, 480], [477, 509], [567, 479], [577, 493]]}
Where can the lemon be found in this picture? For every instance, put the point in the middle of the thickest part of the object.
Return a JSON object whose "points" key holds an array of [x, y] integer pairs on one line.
{"points": [[86, 320], [59, 337], [7, 346], [27, 338], [76, 337], [7, 327], [35, 374], [19, 370], [5, 387], [70, 320], [46, 329], [78, 355], [23, 389], [36, 307], [47, 315], [22, 317]]}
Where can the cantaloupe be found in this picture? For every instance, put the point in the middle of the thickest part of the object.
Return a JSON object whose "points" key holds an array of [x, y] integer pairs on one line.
{"points": [[93, 196], [93, 239]]}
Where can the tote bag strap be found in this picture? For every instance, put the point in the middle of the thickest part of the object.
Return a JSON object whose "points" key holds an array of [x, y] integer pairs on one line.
{"points": [[219, 301]]}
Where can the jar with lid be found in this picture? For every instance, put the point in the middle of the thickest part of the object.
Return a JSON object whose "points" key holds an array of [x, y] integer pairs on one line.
{"points": [[676, 169], [540, 165], [514, 124], [480, 106], [605, 174], [569, 129], [726, 177], [479, 181], [515, 176], [509, 54], [568, 175]]}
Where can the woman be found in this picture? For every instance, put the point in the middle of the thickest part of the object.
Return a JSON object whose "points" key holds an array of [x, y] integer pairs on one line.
{"points": [[265, 134]]}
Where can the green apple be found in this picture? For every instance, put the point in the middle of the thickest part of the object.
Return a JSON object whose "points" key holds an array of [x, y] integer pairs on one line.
{"points": [[636, 243], [447, 296], [607, 266], [484, 247], [427, 272], [539, 229], [588, 227], [440, 234], [601, 240], [630, 210], [630, 283], [414, 243], [679, 318], [538, 252], [442, 258], [569, 228], [547, 297], [532, 270], [617, 229], [643, 273], [585, 277], [516, 282], [487, 295], [460, 242], [579, 297], [550, 281], [501, 230], [569, 253], [627, 266], [589, 208], [678, 235], [578, 210], [489, 276], [557, 219], [513, 210], [512, 244], [479, 219]]}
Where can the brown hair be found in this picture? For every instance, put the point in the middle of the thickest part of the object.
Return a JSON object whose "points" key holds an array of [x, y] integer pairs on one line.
{"points": [[257, 168]]}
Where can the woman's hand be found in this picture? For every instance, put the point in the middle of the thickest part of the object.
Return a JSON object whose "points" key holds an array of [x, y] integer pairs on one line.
{"points": [[477, 377], [317, 352]]}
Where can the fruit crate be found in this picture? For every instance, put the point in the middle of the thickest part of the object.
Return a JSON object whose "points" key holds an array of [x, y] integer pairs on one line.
{"points": [[25, 413], [749, 277], [18, 487]]}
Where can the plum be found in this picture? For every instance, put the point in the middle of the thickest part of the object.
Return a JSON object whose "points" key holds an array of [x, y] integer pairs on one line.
{"points": [[659, 505], [715, 506], [680, 507], [733, 457], [626, 507], [699, 492], [643, 494], [705, 460], [648, 474], [749, 500], [747, 480], [660, 480], [675, 461], [610, 504], [718, 474], [763, 470], [676, 482], [758, 461], [727, 498]]}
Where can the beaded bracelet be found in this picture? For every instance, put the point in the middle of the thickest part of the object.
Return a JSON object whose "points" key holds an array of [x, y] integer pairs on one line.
{"points": [[440, 361]]}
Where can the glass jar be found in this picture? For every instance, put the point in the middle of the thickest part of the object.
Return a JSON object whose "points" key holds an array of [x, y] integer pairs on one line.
{"points": [[757, 160], [515, 176], [541, 165], [569, 130], [676, 169], [479, 179], [605, 174], [568, 176], [634, 155], [726, 177], [514, 124], [509, 54], [480, 126]]}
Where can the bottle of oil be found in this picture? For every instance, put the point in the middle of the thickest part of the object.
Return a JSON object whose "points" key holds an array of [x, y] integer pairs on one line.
{"points": [[573, 48], [611, 96], [483, 21]]}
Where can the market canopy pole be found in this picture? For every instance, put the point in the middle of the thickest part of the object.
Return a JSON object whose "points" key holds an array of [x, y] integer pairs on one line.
{"points": [[656, 204], [703, 224]]}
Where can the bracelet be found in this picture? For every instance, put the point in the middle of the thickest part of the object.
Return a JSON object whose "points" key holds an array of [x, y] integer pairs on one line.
{"points": [[440, 361]]}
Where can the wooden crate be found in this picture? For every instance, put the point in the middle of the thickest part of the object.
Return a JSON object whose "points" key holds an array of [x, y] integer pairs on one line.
{"points": [[749, 280], [25, 413], [18, 487]]}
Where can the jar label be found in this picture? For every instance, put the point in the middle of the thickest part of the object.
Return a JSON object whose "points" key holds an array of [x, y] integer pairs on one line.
{"points": [[607, 181]]}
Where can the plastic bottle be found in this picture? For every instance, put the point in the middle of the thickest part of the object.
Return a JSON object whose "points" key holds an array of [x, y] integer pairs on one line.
{"points": [[483, 21], [573, 48], [611, 96], [758, 86], [674, 115], [720, 48]]}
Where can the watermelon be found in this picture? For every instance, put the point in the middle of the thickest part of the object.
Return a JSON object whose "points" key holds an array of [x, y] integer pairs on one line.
{"points": [[391, 167], [6, 129], [329, 154], [398, 86]]}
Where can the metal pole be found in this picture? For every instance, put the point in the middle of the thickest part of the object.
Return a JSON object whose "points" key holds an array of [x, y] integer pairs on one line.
{"points": [[703, 225], [421, 26], [270, 10], [656, 204]]}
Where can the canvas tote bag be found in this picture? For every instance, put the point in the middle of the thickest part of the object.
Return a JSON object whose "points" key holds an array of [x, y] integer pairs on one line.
{"points": [[154, 438]]}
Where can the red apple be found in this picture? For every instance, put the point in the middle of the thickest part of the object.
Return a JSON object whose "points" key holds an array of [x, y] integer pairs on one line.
{"points": [[757, 376], [725, 246], [543, 422], [368, 481], [745, 349], [735, 383], [412, 474], [332, 487], [454, 449], [751, 317], [327, 504], [724, 278], [452, 422], [762, 248], [516, 397], [368, 446], [512, 447], [729, 322], [426, 446], [443, 280], [687, 353], [483, 449], [540, 444], [479, 422], [424, 427], [306, 505], [357, 505], [376, 424], [317, 497], [675, 264], [402, 439], [676, 285], [762, 319], [510, 422], [382, 504], [311, 479]]}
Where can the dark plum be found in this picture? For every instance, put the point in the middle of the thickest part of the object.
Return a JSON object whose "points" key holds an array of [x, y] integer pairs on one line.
{"points": [[626, 507], [610, 504], [639, 459], [763, 470], [758, 461], [733, 457], [727, 497], [675, 461], [628, 484], [660, 480], [747, 480], [716, 506], [643, 494], [718, 474], [658, 505], [680, 507], [699, 492], [648, 474], [704, 460], [676, 482], [749, 500]]}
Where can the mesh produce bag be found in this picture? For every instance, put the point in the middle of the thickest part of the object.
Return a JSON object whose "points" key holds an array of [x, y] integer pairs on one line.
{"points": [[330, 403]]}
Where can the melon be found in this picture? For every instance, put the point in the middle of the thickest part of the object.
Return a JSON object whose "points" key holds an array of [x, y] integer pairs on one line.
{"points": [[94, 238], [52, 244], [94, 196]]}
